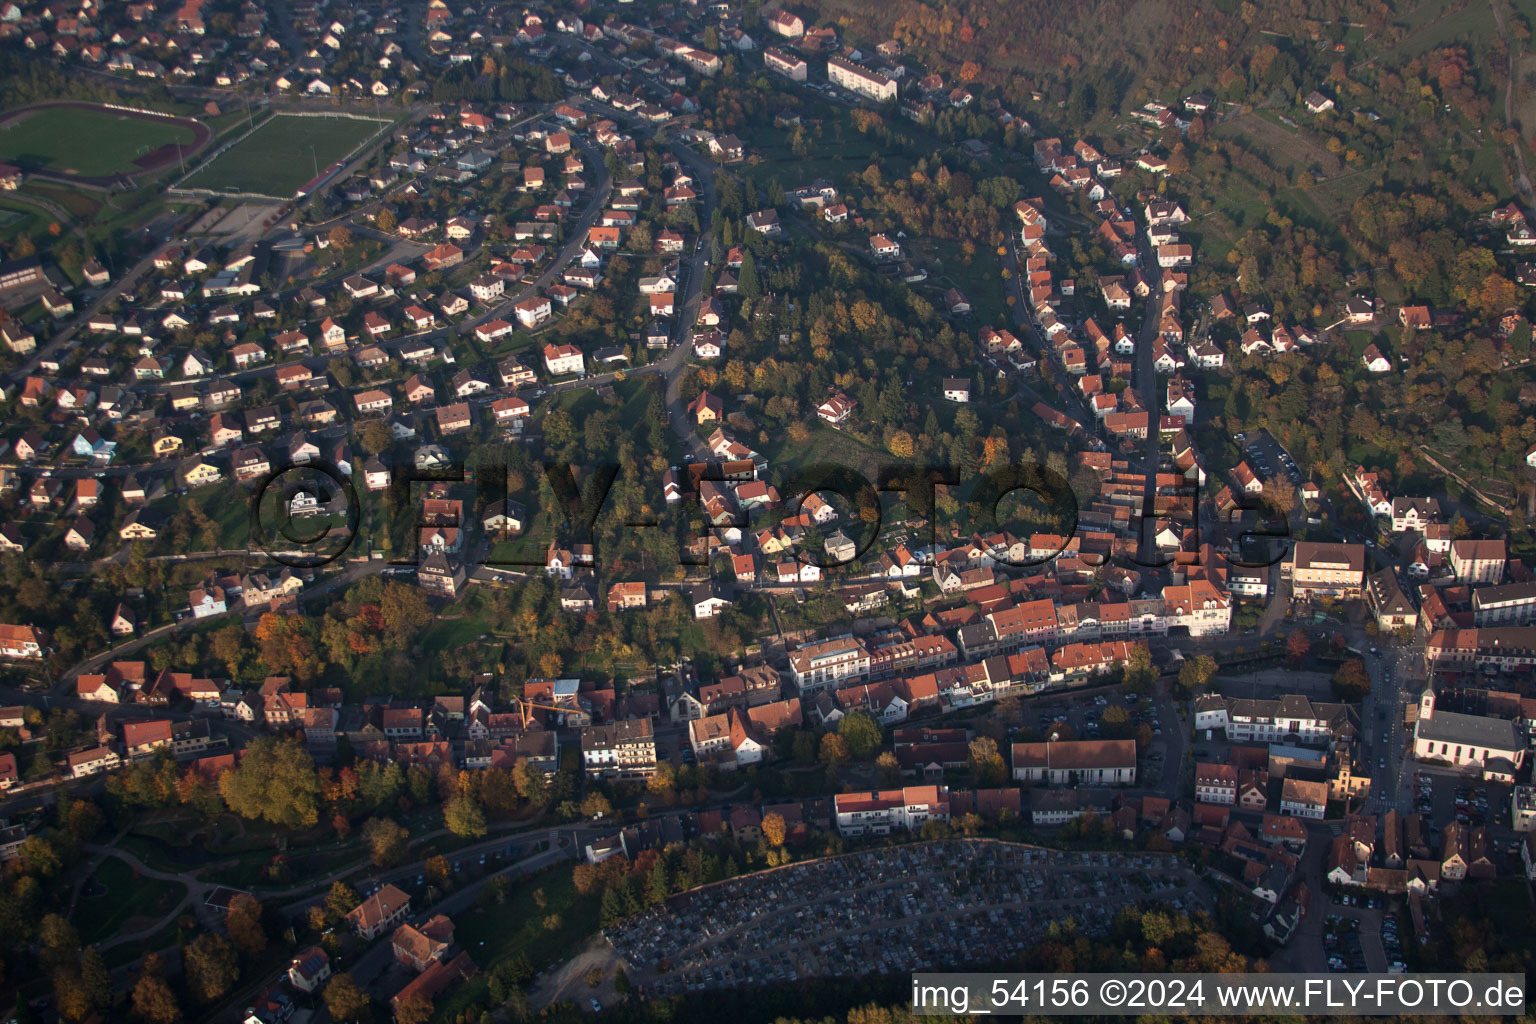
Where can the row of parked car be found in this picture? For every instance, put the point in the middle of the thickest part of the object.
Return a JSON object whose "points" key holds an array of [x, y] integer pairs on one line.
{"points": [[1391, 942], [1341, 941]]}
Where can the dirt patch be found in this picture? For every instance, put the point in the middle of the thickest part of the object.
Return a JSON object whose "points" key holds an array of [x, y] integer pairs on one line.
{"points": [[571, 979]]}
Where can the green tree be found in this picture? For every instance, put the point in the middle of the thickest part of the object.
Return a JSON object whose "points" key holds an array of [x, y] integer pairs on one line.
{"points": [[656, 889], [1138, 667], [1195, 673], [747, 284], [340, 901], [463, 817], [274, 781], [861, 732]]}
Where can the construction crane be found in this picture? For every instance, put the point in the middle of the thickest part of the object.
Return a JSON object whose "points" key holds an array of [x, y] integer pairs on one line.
{"points": [[525, 709]]}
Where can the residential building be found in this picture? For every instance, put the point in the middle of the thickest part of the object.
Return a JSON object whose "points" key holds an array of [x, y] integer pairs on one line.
{"points": [[1075, 762], [1326, 569], [880, 812], [861, 80], [624, 749], [1478, 561], [379, 913]]}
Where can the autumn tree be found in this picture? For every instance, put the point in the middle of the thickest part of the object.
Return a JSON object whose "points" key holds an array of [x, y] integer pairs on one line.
{"points": [[774, 829], [414, 1009], [211, 966], [834, 751], [386, 840], [244, 925], [986, 763], [82, 988], [1297, 646], [347, 1002], [887, 769], [375, 436], [1351, 682], [153, 1000]]}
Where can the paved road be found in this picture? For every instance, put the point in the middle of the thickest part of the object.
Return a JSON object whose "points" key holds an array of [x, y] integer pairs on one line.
{"points": [[688, 313], [63, 692], [1148, 390], [1512, 43]]}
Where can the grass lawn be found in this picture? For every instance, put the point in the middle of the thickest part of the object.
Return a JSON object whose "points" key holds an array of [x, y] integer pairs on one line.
{"points": [[17, 219], [100, 915], [90, 143], [509, 343], [128, 952], [451, 633], [826, 446], [283, 153], [232, 513], [1433, 24], [494, 933]]}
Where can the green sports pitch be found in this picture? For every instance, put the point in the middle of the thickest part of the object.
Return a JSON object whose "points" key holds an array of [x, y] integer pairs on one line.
{"points": [[283, 153], [85, 141]]}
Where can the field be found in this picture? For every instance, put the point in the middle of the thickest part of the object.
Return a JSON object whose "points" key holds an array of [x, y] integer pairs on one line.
{"points": [[88, 142], [282, 154]]}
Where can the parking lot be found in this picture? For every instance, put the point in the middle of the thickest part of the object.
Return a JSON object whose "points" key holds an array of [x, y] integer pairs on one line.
{"points": [[1266, 456], [928, 905], [1085, 719], [1341, 941], [1443, 798]]}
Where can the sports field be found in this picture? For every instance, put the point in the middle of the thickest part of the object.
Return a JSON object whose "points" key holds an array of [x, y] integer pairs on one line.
{"points": [[87, 142], [282, 154]]}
